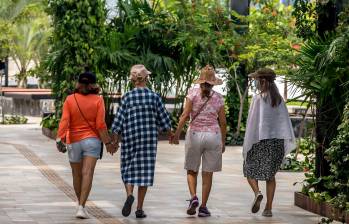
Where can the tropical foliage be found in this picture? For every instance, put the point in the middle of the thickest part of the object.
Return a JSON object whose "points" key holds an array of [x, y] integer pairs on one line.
{"points": [[173, 39], [25, 31], [269, 42], [323, 75], [271, 37], [338, 157], [79, 28], [29, 43]]}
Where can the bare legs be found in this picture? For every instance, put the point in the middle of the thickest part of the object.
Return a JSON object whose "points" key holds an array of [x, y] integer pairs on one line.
{"points": [[77, 178], [82, 178], [141, 194], [271, 186], [129, 189], [206, 184], [206, 187], [253, 184], [192, 182]]}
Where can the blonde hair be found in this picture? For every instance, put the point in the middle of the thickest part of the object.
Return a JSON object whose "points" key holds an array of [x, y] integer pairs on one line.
{"points": [[136, 80]]}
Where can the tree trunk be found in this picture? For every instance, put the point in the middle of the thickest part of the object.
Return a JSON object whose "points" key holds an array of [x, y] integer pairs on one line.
{"points": [[22, 79], [242, 7], [325, 112], [6, 72], [23, 82], [327, 18], [241, 111], [285, 91]]}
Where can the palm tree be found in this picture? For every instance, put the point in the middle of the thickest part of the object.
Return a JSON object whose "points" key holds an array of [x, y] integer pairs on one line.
{"points": [[323, 76], [22, 41], [10, 9], [27, 41]]}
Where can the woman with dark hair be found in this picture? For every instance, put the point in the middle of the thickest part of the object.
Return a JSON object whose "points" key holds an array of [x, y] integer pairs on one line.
{"points": [[82, 127], [205, 138], [269, 138]]}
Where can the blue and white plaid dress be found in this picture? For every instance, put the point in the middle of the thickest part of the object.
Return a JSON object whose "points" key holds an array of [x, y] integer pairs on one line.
{"points": [[139, 118]]}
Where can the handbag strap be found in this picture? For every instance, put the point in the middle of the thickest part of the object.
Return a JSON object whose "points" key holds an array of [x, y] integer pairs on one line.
{"points": [[93, 129], [201, 108]]}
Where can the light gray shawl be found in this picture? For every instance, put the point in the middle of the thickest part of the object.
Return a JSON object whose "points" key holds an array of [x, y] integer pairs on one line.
{"points": [[267, 122]]}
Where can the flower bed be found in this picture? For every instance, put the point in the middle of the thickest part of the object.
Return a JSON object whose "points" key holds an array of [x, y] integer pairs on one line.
{"points": [[321, 208]]}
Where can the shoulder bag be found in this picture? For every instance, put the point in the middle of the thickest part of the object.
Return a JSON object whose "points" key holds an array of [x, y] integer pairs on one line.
{"points": [[93, 129]]}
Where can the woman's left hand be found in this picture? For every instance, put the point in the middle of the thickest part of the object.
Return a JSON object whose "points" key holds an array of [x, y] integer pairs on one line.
{"points": [[112, 148]]}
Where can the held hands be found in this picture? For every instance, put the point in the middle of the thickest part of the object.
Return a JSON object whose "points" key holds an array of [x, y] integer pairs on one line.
{"points": [[174, 138], [113, 146]]}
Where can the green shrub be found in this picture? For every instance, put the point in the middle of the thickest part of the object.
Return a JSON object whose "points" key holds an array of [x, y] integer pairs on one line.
{"points": [[306, 149], [15, 119], [51, 122]]}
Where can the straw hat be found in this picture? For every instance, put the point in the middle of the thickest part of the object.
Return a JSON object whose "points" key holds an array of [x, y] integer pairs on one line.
{"points": [[208, 75], [139, 71], [263, 72]]}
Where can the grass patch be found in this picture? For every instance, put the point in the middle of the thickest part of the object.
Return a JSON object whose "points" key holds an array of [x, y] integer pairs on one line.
{"points": [[297, 103]]}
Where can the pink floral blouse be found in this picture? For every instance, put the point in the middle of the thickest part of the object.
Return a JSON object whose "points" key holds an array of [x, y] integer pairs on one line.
{"points": [[207, 120]]}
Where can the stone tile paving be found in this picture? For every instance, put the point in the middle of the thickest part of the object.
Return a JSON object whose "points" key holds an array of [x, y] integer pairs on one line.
{"points": [[27, 196]]}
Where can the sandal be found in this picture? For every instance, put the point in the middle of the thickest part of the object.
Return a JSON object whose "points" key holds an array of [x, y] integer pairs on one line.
{"points": [[140, 214], [267, 213], [126, 210], [257, 202]]}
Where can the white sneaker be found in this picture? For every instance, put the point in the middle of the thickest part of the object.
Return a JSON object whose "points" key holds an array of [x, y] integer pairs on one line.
{"points": [[82, 213]]}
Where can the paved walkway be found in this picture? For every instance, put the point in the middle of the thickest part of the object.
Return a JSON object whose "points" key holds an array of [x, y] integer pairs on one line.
{"points": [[36, 187]]}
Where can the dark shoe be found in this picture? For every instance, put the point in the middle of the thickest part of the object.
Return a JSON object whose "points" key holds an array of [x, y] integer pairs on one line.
{"points": [[126, 210], [257, 202], [193, 204], [140, 214], [204, 212]]}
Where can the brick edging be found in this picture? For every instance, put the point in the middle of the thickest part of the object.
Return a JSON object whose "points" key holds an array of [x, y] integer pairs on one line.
{"points": [[53, 177]]}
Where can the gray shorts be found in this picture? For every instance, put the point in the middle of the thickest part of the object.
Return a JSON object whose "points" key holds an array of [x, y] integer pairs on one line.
{"points": [[205, 146], [86, 147]]}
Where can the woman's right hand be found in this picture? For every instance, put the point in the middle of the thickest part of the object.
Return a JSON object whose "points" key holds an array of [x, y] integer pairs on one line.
{"points": [[175, 139], [61, 147]]}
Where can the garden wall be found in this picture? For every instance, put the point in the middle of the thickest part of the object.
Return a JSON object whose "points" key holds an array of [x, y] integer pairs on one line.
{"points": [[26, 107]]}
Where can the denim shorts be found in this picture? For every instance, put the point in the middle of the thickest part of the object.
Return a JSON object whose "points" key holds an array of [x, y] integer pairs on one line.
{"points": [[86, 147]]}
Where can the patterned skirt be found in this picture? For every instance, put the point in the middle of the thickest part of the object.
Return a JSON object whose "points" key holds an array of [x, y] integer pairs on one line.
{"points": [[264, 159]]}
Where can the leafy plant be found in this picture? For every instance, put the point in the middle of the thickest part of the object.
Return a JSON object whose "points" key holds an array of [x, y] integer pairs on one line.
{"points": [[326, 221], [15, 119], [323, 75], [51, 122], [338, 156], [306, 150], [305, 15], [78, 30]]}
